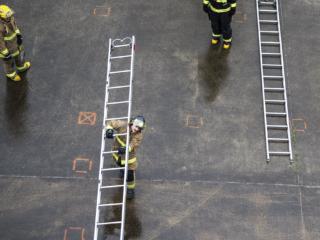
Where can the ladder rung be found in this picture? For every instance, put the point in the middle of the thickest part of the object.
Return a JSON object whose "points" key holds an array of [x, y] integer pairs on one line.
{"points": [[112, 103], [272, 65], [279, 153], [268, 21], [270, 43], [110, 204], [276, 114], [278, 139], [124, 56], [270, 32], [123, 86], [110, 152], [275, 101], [274, 89], [109, 119], [111, 186], [121, 45], [272, 77], [109, 223], [112, 169], [122, 71], [267, 11], [271, 54], [277, 126]]}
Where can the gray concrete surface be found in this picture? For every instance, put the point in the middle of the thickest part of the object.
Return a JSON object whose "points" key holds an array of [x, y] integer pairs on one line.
{"points": [[202, 167]]}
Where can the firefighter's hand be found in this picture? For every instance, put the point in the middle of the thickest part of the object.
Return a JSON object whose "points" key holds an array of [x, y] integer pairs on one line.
{"points": [[19, 39], [205, 8], [7, 57], [109, 133], [121, 150], [232, 11]]}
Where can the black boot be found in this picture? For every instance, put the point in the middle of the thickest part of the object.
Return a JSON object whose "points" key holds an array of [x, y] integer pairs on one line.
{"points": [[130, 193]]}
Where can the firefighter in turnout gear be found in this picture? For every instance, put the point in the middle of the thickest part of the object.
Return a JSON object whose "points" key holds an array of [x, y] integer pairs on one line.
{"points": [[11, 48], [136, 125], [220, 14]]}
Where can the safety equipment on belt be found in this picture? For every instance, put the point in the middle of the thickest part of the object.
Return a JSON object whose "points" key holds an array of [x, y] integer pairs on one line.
{"points": [[139, 122], [122, 150], [19, 39], [109, 133], [6, 12]]}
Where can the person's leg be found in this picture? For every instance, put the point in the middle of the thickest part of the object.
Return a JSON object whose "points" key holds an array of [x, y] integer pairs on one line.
{"points": [[10, 71], [216, 28], [131, 184], [226, 30]]}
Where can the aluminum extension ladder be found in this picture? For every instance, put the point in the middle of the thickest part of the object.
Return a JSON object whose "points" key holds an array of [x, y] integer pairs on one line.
{"points": [[127, 45], [275, 105]]}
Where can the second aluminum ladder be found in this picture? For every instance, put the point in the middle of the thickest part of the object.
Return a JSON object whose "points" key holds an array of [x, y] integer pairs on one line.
{"points": [[275, 104], [126, 47]]}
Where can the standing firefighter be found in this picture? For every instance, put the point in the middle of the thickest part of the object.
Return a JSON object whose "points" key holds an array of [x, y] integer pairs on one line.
{"points": [[136, 125], [220, 13], [11, 45]]}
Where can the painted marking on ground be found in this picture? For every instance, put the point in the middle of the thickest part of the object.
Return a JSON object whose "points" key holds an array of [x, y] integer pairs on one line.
{"points": [[194, 121], [79, 164], [299, 125], [74, 233], [87, 118], [102, 11]]}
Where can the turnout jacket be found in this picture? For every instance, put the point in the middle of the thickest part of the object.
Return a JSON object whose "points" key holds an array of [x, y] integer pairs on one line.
{"points": [[220, 6], [8, 38], [120, 141]]}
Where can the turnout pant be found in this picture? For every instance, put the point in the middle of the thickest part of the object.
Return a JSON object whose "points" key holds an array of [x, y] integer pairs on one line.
{"points": [[131, 174], [221, 26], [9, 66]]}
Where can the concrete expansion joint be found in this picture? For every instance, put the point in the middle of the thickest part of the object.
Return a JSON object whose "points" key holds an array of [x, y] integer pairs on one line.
{"points": [[49, 177], [236, 183]]}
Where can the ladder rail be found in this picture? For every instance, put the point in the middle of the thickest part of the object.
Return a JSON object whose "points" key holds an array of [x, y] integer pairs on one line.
{"points": [[284, 82], [124, 196], [262, 81], [95, 236]]}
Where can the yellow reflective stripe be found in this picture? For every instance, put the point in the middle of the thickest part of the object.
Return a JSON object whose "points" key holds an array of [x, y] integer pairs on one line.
{"points": [[18, 31], [120, 141], [131, 185], [16, 53], [9, 38], [227, 40], [130, 148], [4, 51], [116, 156], [205, 2], [216, 35], [11, 75], [219, 10], [221, 1], [130, 161], [233, 5], [25, 66]]}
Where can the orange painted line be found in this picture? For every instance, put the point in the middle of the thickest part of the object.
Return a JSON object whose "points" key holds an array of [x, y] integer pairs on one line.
{"points": [[90, 165], [82, 234], [65, 234], [78, 171], [74, 164], [87, 118]]}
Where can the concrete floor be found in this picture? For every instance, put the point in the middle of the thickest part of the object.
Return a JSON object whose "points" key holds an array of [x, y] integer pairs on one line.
{"points": [[202, 167]]}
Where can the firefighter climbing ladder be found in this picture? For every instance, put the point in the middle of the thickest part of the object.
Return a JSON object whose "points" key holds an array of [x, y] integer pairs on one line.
{"points": [[275, 105], [128, 46]]}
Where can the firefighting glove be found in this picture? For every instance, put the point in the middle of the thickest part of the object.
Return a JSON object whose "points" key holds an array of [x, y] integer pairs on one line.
{"points": [[205, 8], [121, 150], [19, 39], [232, 11], [7, 57], [109, 133]]}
